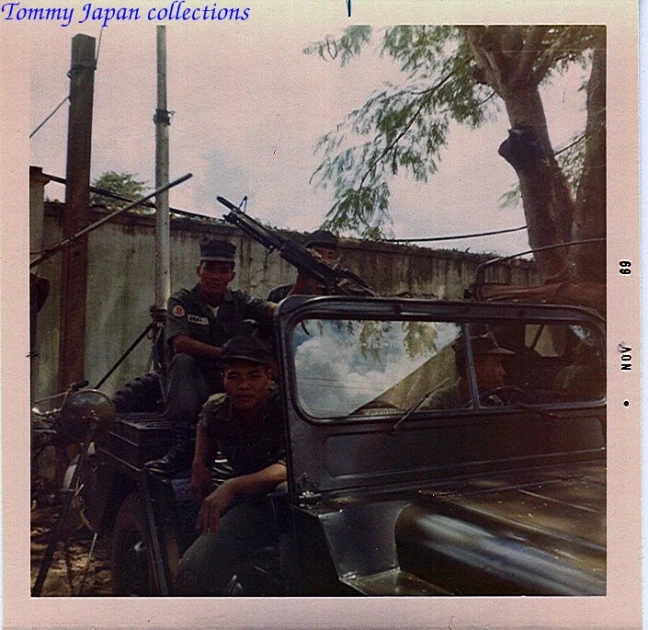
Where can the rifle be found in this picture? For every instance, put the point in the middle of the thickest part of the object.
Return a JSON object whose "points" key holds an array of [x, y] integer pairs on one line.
{"points": [[336, 280]]}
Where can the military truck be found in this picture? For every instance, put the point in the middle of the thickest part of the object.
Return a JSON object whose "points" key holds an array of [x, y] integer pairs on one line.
{"points": [[388, 495], [502, 492]]}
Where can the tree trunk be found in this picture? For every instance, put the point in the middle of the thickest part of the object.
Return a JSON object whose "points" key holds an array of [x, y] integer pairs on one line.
{"points": [[590, 212], [548, 205], [547, 200]]}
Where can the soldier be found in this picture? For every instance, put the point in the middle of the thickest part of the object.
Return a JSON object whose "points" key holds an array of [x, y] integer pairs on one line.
{"points": [[199, 322], [246, 424], [489, 371], [321, 242]]}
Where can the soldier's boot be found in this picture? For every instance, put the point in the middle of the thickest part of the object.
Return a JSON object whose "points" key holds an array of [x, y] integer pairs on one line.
{"points": [[179, 456]]}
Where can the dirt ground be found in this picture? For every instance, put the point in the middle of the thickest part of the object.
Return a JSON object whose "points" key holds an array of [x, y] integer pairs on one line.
{"points": [[65, 575]]}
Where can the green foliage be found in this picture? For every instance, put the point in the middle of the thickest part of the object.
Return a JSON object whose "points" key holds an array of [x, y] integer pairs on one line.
{"points": [[346, 47], [511, 198], [419, 339], [403, 128], [400, 128], [123, 184], [564, 46]]}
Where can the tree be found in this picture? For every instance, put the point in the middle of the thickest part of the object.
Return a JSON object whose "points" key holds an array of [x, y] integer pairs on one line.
{"points": [[466, 74], [123, 184]]}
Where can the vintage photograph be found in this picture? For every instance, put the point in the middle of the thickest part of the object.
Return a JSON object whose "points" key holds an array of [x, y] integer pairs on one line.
{"points": [[322, 308]]}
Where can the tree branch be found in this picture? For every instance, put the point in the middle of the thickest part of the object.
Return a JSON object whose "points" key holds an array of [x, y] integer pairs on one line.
{"points": [[530, 51], [474, 35], [330, 42], [570, 145], [491, 96], [488, 55], [548, 58], [394, 142]]}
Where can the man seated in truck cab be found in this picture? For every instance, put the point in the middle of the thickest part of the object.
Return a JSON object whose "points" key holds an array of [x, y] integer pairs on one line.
{"points": [[246, 424], [489, 372], [199, 322], [584, 377], [322, 243]]}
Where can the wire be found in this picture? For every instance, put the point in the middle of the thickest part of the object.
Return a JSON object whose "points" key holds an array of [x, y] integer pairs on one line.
{"points": [[586, 241], [451, 238], [99, 46], [33, 133]]}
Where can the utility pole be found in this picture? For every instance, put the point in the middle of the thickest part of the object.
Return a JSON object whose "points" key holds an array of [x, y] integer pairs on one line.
{"points": [[162, 121], [74, 268]]}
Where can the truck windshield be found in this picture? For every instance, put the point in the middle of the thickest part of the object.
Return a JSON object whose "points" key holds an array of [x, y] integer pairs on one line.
{"points": [[359, 368]]}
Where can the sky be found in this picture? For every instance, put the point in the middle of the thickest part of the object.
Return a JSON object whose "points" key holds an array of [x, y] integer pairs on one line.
{"points": [[249, 106]]}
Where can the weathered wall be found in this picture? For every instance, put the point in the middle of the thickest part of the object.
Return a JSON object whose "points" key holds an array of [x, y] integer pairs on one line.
{"points": [[121, 283]]}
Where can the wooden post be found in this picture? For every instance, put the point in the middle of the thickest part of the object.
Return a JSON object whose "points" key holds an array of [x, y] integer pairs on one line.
{"points": [[74, 267]]}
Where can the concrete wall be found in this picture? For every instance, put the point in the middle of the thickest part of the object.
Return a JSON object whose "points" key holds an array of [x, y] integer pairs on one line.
{"points": [[121, 283]]}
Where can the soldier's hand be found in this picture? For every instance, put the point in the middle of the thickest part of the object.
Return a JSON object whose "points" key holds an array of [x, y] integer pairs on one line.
{"points": [[200, 481], [214, 506], [306, 285]]}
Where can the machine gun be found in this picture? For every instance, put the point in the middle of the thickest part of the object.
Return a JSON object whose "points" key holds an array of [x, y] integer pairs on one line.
{"points": [[337, 280]]}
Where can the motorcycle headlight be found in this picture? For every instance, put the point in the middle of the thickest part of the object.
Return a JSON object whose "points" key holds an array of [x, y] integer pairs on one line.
{"points": [[84, 409]]}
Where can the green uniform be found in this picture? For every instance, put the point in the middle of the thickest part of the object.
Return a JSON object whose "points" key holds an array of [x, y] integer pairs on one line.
{"points": [[188, 314], [251, 451], [191, 379], [213, 558], [446, 398]]}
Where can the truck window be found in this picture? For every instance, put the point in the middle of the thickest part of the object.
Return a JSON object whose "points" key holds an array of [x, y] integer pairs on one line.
{"points": [[360, 368], [354, 367], [547, 363]]}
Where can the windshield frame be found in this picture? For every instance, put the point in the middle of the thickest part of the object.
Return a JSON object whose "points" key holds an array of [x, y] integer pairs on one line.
{"points": [[296, 309]]}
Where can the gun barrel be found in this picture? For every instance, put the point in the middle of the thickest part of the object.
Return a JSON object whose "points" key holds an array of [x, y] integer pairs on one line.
{"points": [[267, 237], [335, 279], [227, 203]]}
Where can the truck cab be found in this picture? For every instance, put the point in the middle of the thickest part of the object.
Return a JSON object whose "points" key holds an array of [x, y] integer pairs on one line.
{"points": [[475, 499]]}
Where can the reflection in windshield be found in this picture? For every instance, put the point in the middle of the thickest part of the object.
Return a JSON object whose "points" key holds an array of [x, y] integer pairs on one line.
{"points": [[348, 366], [369, 368]]}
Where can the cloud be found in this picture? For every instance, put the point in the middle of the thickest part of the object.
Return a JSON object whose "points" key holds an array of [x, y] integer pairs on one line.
{"points": [[249, 107], [336, 371]]}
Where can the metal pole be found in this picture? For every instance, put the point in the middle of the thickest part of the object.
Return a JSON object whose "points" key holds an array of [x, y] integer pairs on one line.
{"points": [[48, 252], [162, 121]]}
